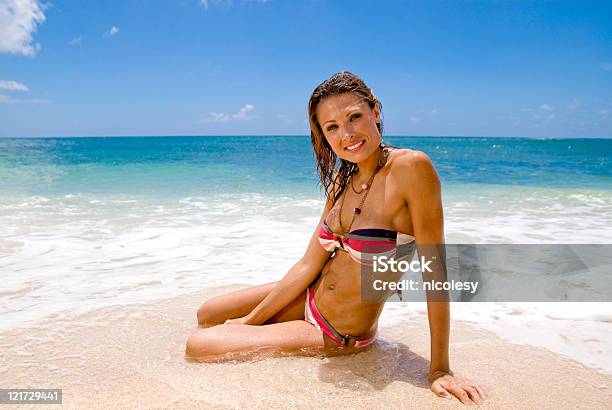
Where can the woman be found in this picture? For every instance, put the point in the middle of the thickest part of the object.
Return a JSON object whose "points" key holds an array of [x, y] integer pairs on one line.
{"points": [[317, 308]]}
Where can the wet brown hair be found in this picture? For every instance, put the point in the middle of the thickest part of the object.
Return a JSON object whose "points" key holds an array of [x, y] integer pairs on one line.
{"points": [[334, 172]]}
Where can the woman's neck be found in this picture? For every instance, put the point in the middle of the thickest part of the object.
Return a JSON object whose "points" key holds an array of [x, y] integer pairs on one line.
{"points": [[368, 166]]}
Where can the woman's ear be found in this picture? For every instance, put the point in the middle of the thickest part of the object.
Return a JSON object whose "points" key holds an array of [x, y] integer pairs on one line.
{"points": [[377, 112]]}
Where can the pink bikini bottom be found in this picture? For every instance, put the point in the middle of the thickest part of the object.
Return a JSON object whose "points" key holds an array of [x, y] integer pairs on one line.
{"points": [[314, 317]]}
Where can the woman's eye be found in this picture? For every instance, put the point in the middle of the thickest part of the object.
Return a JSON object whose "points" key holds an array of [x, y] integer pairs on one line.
{"points": [[355, 116], [331, 127]]}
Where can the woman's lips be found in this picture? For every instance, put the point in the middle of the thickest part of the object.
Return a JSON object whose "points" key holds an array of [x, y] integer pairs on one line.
{"points": [[355, 147]]}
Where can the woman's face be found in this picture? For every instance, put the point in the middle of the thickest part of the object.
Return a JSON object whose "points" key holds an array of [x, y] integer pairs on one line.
{"points": [[349, 126]]}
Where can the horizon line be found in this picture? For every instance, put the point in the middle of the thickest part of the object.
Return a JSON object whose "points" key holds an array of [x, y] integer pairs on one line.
{"points": [[296, 135]]}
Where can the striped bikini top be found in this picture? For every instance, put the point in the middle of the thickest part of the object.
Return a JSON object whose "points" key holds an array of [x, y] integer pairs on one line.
{"points": [[361, 244]]}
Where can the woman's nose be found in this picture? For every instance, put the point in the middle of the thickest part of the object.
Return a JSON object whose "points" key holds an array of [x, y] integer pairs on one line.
{"points": [[348, 131]]}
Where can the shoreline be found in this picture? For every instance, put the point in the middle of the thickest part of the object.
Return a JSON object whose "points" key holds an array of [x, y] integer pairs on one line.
{"points": [[133, 355]]}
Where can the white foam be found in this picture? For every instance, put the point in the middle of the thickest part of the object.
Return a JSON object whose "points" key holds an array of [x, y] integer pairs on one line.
{"points": [[527, 215], [86, 257], [581, 331]]}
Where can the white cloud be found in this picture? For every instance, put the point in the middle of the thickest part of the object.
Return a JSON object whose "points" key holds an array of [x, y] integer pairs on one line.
{"points": [[414, 119], [241, 115], [546, 107], [75, 41], [217, 117], [15, 86], [206, 4], [111, 32], [12, 85], [606, 66], [18, 20]]}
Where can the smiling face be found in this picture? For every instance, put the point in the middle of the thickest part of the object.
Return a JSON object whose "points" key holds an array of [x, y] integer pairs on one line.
{"points": [[349, 126]]}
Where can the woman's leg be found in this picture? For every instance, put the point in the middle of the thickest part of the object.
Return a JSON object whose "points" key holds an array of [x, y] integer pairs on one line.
{"points": [[241, 342], [217, 310], [285, 333]]}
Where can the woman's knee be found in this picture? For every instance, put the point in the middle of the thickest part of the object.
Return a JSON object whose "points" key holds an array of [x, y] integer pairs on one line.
{"points": [[207, 345], [208, 315], [199, 345], [194, 346]]}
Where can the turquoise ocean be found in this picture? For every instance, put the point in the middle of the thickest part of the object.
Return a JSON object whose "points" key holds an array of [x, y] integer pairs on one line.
{"points": [[94, 221], [179, 166]]}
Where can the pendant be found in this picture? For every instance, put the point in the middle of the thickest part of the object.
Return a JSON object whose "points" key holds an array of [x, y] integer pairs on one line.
{"points": [[357, 211], [364, 186]]}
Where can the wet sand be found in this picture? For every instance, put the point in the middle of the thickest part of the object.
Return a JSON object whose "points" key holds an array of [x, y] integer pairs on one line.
{"points": [[133, 356]]}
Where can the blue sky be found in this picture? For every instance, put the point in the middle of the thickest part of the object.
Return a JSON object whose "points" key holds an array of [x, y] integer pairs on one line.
{"points": [[220, 67]]}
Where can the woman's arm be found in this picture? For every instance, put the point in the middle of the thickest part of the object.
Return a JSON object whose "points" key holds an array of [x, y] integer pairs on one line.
{"points": [[424, 200], [295, 281]]}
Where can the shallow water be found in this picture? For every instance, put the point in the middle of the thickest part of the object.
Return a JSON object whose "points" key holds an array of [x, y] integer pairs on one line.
{"points": [[133, 355]]}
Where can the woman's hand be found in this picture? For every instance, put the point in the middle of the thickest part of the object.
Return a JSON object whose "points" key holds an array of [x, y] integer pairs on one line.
{"points": [[466, 391], [238, 321]]}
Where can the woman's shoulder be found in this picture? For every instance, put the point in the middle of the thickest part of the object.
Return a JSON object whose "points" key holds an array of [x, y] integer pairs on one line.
{"points": [[406, 163], [413, 172]]}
